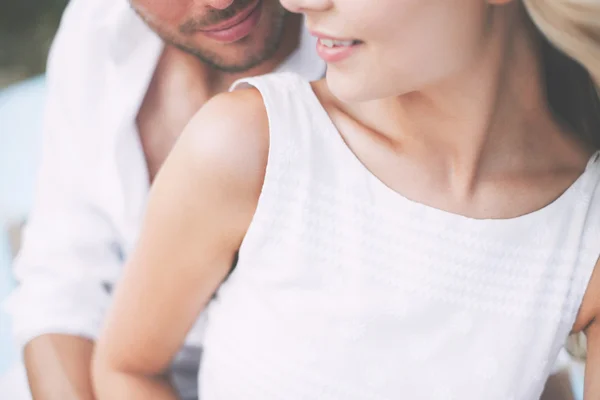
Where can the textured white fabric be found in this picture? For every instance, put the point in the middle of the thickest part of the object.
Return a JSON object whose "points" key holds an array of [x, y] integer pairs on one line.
{"points": [[347, 290]]}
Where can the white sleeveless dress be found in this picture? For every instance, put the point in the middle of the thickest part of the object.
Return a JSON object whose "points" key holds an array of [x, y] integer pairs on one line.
{"points": [[346, 290]]}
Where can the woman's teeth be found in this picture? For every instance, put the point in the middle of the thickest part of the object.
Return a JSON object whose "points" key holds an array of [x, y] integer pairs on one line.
{"points": [[337, 43]]}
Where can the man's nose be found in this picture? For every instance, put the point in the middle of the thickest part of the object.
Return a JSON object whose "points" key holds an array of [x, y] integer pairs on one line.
{"points": [[307, 6], [218, 4]]}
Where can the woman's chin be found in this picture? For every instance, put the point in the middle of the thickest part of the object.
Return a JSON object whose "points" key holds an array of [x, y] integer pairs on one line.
{"points": [[350, 88]]}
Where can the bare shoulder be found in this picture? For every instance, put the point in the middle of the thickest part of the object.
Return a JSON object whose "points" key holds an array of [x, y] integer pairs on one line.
{"points": [[589, 313], [229, 121], [215, 173], [228, 137]]}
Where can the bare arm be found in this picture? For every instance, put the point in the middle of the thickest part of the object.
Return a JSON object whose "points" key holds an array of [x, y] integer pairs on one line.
{"points": [[199, 209], [592, 369], [589, 322], [58, 367]]}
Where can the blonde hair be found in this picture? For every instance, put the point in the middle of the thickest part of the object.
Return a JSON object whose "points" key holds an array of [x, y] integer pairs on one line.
{"points": [[571, 57], [570, 31]]}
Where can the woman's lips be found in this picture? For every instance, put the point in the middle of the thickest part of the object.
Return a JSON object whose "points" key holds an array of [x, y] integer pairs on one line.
{"points": [[333, 50]]}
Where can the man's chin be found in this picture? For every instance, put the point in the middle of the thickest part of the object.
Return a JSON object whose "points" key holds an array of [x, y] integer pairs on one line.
{"points": [[240, 56], [236, 61]]}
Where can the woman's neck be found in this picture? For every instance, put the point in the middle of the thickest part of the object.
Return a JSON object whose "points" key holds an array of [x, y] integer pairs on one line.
{"points": [[480, 119]]}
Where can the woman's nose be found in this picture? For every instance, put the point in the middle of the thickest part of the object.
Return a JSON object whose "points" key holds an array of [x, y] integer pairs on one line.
{"points": [[307, 6]]}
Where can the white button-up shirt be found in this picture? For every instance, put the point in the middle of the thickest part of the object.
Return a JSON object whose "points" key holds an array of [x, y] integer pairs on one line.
{"points": [[93, 180]]}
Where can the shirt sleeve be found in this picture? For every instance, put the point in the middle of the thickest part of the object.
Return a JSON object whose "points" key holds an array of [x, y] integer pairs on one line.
{"points": [[69, 244]]}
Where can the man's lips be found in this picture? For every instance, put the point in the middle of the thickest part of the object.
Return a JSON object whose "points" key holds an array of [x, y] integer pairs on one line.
{"points": [[233, 21]]}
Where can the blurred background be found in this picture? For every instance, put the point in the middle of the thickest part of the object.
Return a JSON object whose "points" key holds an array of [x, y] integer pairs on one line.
{"points": [[26, 31], [27, 28]]}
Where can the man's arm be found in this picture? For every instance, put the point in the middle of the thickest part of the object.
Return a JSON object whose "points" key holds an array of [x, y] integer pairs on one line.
{"points": [[68, 250], [58, 308], [58, 367]]}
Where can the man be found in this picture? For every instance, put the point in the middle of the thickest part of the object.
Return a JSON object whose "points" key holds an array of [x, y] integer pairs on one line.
{"points": [[123, 81]]}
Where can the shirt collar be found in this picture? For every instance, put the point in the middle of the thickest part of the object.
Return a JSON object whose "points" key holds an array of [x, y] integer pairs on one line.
{"points": [[126, 32]]}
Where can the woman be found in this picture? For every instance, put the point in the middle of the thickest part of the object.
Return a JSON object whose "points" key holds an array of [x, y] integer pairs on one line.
{"points": [[421, 224]]}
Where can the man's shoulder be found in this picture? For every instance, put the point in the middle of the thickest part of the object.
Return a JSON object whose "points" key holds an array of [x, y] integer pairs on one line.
{"points": [[90, 35], [84, 18], [90, 75]]}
